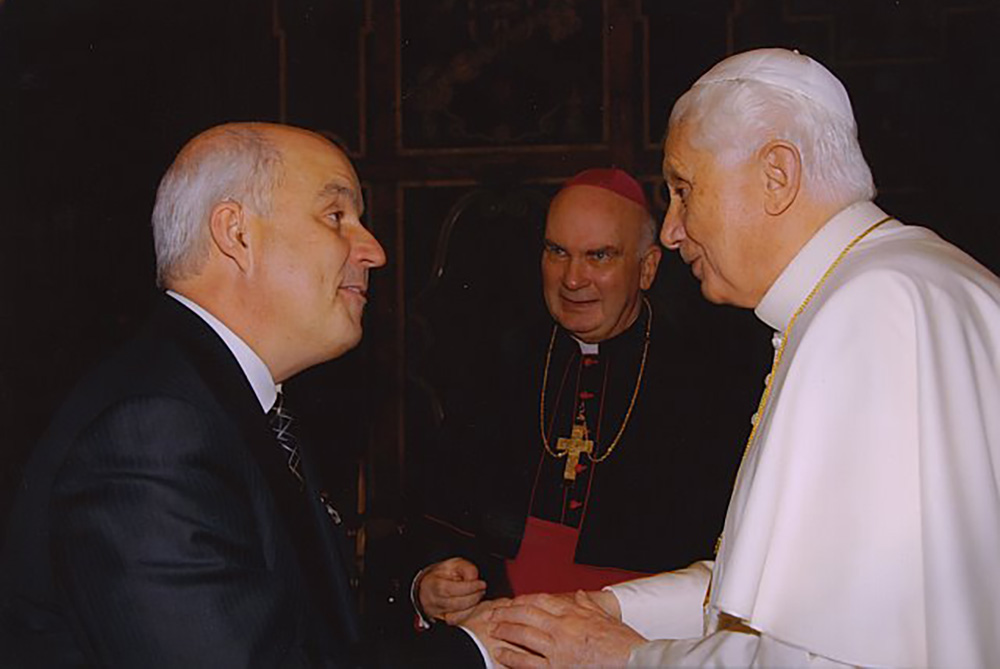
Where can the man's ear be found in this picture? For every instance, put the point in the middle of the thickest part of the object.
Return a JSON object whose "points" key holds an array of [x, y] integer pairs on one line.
{"points": [[648, 265], [782, 173], [229, 228]]}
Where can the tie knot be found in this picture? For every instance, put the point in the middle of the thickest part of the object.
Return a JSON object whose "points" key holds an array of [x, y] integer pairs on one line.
{"points": [[281, 423], [279, 416]]}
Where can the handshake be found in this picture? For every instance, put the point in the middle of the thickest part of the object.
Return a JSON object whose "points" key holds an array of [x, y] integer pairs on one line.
{"points": [[538, 630]]}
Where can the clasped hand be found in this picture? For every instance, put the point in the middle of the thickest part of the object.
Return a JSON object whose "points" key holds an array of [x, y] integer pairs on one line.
{"points": [[575, 629], [531, 631], [450, 590]]}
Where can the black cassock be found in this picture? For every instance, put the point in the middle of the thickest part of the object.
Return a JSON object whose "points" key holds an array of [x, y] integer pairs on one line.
{"points": [[656, 502]]}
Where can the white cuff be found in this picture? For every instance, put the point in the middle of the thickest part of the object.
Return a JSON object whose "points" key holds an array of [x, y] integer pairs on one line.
{"points": [[422, 622], [666, 606]]}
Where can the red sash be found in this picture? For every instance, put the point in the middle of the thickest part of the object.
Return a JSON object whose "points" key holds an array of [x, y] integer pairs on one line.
{"points": [[544, 562]]}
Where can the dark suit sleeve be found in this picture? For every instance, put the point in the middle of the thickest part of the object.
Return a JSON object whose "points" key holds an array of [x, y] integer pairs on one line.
{"points": [[156, 543], [439, 647]]}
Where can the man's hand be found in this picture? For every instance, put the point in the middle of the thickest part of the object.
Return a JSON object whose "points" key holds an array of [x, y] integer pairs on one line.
{"points": [[449, 590], [561, 633]]}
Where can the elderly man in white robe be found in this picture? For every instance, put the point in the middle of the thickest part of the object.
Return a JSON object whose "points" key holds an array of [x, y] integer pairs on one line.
{"points": [[864, 527]]}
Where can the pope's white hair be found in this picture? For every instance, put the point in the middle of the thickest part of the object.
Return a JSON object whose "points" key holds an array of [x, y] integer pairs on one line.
{"points": [[231, 163], [733, 119], [650, 231]]}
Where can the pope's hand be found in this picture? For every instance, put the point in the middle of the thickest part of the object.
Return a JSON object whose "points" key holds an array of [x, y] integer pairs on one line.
{"points": [[603, 599], [449, 590], [560, 632], [480, 622]]}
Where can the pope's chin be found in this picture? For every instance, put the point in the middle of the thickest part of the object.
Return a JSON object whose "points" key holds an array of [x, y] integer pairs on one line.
{"points": [[708, 293], [713, 295]]}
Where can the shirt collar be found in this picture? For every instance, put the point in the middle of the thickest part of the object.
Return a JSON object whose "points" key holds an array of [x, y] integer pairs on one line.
{"points": [[253, 367], [808, 266]]}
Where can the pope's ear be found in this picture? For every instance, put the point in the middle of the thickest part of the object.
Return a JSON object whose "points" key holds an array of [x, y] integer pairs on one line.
{"points": [[782, 175], [229, 229], [648, 265]]}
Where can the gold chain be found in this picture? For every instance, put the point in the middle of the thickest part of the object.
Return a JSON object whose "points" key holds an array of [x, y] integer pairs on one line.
{"points": [[786, 335], [631, 404]]}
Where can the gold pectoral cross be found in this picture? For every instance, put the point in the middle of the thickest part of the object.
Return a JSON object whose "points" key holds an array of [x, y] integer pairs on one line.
{"points": [[573, 447]]}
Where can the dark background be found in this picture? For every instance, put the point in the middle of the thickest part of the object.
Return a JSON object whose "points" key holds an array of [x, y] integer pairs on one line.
{"points": [[452, 111]]}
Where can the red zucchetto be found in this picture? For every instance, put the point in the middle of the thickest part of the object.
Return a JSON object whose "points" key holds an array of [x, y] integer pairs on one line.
{"points": [[612, 179]]}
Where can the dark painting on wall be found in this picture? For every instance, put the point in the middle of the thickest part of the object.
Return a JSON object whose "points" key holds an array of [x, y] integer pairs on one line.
{"points": [[502, 73]]}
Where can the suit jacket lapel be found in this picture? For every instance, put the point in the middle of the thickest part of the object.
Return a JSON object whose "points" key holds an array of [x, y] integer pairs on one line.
{"points": [[223, 375], [321, 546]]}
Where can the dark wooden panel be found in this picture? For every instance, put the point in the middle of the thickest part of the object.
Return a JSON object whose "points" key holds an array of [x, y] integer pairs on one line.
{"points": [[683, 39], [325, 47]]}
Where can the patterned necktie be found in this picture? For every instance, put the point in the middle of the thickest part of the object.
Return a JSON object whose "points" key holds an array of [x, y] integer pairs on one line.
{"points": [[281, 422]]}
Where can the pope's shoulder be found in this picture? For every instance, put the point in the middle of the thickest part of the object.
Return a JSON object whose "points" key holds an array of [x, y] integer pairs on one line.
{"points": [[915, 259]]}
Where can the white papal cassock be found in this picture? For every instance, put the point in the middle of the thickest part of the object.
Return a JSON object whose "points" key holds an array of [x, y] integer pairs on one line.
{"points": [[864, 526]]}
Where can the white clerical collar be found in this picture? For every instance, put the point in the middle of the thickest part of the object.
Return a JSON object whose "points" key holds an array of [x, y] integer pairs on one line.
{"points": [[808, 266], [585, 348], [253, 367], [592, 349]]}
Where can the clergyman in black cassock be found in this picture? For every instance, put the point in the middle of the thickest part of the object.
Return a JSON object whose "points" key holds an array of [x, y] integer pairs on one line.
{"points": [[654, 504], [620, 466]]}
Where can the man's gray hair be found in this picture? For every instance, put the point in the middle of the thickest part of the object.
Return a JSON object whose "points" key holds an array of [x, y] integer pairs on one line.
{"points": [[735, 118], [231, 163]]}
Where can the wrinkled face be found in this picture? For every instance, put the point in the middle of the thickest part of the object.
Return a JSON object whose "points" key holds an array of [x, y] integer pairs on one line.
{"points": [[713, 222], [312, 265], [592, 267]]}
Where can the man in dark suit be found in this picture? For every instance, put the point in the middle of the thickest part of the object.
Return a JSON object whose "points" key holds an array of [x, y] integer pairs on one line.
{"points": [[162, 521]]}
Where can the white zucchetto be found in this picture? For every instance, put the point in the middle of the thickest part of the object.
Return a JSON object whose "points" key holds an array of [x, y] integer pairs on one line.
{"points": [[785, 69]]}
